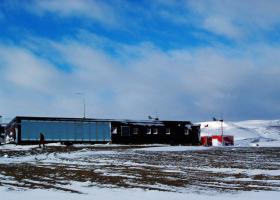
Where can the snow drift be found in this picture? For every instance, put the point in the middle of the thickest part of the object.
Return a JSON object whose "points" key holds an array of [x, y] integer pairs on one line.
{"points": [[246, 133]]}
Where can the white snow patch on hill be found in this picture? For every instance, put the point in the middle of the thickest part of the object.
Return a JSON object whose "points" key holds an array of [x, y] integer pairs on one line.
{"points": [[262, 133]]}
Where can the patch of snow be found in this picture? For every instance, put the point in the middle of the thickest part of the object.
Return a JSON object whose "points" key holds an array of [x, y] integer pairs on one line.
{"points": [[262, 133], [90, 193], [266, 144], [174, 148], [58, 144], [250, 172], [15, 147]]}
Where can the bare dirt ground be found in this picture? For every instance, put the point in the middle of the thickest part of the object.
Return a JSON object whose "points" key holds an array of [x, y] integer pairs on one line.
{"points": [[214, 169]]}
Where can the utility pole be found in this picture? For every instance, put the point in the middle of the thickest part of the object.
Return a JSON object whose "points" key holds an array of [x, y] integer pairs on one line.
{"points": [[222, 129], [84, 102]]}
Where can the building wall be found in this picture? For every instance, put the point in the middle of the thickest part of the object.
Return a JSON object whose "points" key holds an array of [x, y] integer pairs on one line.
{"points": [[155, 133], [26, 130], [66, 131]]}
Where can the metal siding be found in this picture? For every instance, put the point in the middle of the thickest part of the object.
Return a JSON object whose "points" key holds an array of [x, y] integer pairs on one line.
{"points": [[104, 132], [87, 131], [99, 131], [53, 133], [66, 131], [108, 133], [93, 131], [32, 135], [79, 131], [71, 128]]}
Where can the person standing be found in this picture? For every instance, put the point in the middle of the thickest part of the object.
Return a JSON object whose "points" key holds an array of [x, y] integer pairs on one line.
{"points": [[42, 140]]}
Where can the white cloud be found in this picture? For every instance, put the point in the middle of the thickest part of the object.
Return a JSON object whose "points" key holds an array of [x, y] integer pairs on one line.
{"points": [[92, 9], [222, 27], [142, 80], [236, 19], [21, 68]]}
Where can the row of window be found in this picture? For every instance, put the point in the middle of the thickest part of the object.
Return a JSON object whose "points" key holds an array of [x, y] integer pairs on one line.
{"points": [[149, 131]]}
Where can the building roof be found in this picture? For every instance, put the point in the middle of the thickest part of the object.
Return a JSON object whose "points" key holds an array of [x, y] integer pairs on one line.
{"points": [[127, 121]]}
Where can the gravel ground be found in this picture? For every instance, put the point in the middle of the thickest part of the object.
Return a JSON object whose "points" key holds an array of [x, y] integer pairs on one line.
{"points": [[210, 169]]}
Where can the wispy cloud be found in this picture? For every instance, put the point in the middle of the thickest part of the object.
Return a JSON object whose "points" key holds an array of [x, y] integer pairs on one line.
{"points": [[23, 69], [96, 10], [236, 19], [176, 84]]}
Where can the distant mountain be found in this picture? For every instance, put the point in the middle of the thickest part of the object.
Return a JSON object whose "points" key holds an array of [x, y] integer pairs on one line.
{"points": [[247, 133]]}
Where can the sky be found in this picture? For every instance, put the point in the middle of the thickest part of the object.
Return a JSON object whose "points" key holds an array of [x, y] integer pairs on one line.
{"points": [[175, 59]]}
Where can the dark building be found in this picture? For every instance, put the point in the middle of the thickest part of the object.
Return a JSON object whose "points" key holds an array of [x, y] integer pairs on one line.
{"points": [[155, 132], [27, 130]]}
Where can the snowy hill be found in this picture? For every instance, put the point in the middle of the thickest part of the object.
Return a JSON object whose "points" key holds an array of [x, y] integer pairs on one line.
{"points": [[246, 133]]}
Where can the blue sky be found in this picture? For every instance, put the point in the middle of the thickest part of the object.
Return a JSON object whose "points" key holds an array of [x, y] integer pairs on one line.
{"points": [[182, 59]]}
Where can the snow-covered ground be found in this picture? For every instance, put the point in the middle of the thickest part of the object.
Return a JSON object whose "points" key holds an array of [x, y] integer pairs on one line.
{"points": [[149, 171], [129, 194], [261, 133], [124, 172]]}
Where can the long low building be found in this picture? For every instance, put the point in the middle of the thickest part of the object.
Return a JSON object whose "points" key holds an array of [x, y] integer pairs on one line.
{"points": [[27, 130], [155, 132]]}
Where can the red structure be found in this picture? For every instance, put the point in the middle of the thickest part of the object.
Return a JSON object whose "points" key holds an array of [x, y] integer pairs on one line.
{"points": [[206, 141], [228, 140], [217, 140]]}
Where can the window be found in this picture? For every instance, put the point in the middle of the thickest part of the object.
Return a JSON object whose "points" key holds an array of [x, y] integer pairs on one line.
{"points": [[155, 131], [187, 131], [125, 131], [135, 131], [114, 130], [168, 131], [149, 131]]}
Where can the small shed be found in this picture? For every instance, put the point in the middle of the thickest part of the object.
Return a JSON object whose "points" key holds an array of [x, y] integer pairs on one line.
{"points": [[217, 140]]}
